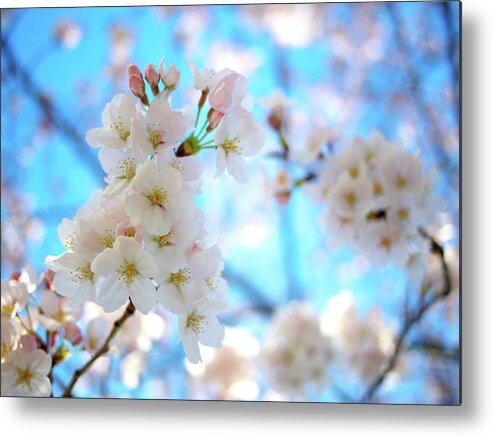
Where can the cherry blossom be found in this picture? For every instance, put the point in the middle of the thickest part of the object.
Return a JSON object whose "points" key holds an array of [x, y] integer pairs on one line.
{"points": [[117, 121], [198, 324], [237, 137], [126, 269], [25, 373]]}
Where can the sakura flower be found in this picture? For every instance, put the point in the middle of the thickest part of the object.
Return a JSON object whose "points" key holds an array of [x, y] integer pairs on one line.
{"points": [[403, 174], [14, 298], [206, 79], [126, 269], [97, 331], [54, 312], [190, 167], [121, 167], [10, 336], [230, 95], [161, 128], [237, 137], [25, 373], [208, 266], [74, 278], [117, 122], [170, 249], [198, 324], [170, 77], [350, 197], [158, 198], [177, 287], [384, 242]]}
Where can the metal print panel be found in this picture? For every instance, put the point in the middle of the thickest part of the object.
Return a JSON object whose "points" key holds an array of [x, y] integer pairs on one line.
{"points": [[243, 202]]}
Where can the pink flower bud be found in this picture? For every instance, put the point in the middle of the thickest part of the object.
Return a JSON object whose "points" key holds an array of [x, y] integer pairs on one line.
{"points": [[133, 70], [29, 343], [151, 75], [172, 77], [214, 118], [73, 333], [137, 85]]}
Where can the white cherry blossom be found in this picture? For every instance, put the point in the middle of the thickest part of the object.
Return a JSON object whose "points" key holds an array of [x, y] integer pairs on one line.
{"points": [[198, 324], [161, 128], [117, 120], [158, 198], [25, 373], [126, 269], [237, 137]]}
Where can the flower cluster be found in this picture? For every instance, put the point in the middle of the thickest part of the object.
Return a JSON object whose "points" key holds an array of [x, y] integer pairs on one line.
{"points": [[143, 238], [378, 197], [27, 360], [295, 355]]}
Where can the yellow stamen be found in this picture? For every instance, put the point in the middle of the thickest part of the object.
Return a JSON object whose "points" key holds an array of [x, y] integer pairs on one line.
{"points": [[181, 277], [128, 272], [386, 243], [106, 240], [120, 129], [24, 377], [196, 322], [126, 168], [350, 199], [158, 196]]}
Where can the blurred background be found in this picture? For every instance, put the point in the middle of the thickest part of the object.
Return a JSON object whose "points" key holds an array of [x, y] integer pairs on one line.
{"points": [[348, 68]]}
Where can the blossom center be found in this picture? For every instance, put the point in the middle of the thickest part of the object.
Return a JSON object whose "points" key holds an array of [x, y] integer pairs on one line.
{"points": [[120, 129], [106, 240], [126, 168], [23, 377], [386, 243], [403, 213], [156, 136], [401, 182], [354, 171], [196, 322], [232, 145], [83, 273], [128, 271], [158, 196], [350, 199], [211, 282], [163, 240], [377, 189], [181, 277]]}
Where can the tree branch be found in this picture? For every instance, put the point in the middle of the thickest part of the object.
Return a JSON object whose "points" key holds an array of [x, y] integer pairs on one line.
{"points": [[102, 350], [413, 319]]}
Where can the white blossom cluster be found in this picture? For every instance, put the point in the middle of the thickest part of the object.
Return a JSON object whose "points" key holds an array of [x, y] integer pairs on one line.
{"points": [[378, 196], [143, 237], [25, 364], [296, 356]]}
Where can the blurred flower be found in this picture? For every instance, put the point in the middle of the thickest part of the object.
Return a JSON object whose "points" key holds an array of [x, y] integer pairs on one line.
{"points": [[25, 373], [68, 33], [227, 373], [296, 356]]}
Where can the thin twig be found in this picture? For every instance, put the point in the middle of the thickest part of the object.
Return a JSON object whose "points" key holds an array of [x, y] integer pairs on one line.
{"points": [[102, 350], [413, 319]]}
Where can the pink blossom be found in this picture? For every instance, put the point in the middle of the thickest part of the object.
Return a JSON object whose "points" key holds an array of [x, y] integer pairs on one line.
{"points": [[230, 95]]}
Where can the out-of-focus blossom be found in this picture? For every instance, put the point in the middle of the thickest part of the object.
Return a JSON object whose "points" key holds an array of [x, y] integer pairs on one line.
{"points": [[54, 311], [14, 298], [25, 373], [68, 33], [296, 356], [229, 372], [364, 344]]}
